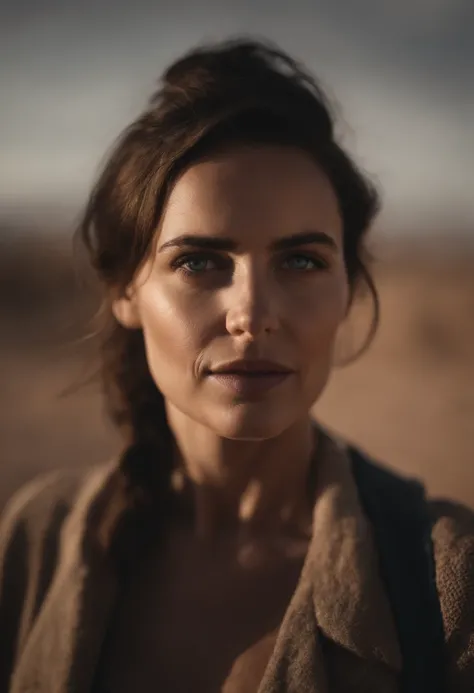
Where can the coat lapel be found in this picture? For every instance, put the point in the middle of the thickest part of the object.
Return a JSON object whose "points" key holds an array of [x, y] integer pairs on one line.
{"points": [[340, 594], [297, 662], [350, 601]]}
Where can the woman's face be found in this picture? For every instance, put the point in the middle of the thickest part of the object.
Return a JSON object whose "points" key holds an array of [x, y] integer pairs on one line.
{"points": [[244, 292]]}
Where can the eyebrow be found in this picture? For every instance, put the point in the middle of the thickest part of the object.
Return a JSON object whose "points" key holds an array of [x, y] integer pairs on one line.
{"points": [[226, 244]]}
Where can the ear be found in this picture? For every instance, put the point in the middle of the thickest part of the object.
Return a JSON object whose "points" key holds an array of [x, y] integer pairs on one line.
{"points": [[125, 310]]}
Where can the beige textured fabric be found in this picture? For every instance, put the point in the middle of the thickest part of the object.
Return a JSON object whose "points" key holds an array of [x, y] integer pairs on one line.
{"points": [[58, 586]]}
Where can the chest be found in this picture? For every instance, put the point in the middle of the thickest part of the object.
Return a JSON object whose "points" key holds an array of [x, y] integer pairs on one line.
{"points": [[193, 619]]}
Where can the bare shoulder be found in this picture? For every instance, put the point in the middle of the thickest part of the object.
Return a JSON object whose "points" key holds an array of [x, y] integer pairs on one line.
{"points": [[453, 544]]}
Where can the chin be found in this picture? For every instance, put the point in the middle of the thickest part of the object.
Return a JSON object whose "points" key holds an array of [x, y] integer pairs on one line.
{"points": [[252, 422]]}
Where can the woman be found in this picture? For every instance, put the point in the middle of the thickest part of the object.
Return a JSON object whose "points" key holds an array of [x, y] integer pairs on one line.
{"points": [[233, 547]]}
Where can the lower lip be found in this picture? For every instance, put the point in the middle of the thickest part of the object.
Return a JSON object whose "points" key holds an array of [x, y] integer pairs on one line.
{"points": [[249, 385]]}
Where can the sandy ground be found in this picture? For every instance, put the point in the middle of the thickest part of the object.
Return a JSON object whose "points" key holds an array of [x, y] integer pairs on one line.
{"points": [[409, 401]]}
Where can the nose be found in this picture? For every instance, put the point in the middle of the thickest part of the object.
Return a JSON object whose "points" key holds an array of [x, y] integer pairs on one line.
{"points": [[253, 306]]}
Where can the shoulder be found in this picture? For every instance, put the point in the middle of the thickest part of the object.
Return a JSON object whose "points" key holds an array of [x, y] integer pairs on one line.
{"points": [[453, 546], [30, 531], [453, 549], [38, 510], [41, 504], [29, 534], [32, 519]]}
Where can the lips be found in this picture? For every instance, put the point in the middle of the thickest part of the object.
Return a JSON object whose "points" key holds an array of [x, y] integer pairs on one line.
{"points": [[250, 368], [249, 379]]}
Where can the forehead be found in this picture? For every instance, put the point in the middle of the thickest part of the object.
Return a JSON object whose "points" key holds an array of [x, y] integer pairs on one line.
{"points": [[252, 194]]}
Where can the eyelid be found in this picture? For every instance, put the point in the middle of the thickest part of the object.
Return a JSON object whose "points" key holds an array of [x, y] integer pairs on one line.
{"points": [[212, 255], [316, 257], [222, 259]]}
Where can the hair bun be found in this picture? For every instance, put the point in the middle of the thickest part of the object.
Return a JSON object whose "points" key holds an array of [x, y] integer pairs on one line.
{"points": [[253, 73]]}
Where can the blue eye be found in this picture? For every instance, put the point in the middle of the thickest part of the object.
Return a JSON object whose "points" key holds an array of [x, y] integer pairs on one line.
{"points": [[194, 263], [302, 263], [198, 264]]}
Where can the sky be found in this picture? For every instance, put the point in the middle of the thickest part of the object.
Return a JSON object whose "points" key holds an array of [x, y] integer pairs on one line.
{"points": [[73, 73]]}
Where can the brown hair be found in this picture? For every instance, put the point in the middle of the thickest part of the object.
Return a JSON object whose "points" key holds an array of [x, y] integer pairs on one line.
{"points": [[239, 91]]}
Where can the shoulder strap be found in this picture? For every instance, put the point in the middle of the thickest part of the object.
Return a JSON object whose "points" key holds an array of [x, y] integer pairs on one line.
{"points": [[398, 512]]}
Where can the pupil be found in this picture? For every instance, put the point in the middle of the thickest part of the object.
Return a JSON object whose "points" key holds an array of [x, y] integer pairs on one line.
{"points": [[300, 262]]}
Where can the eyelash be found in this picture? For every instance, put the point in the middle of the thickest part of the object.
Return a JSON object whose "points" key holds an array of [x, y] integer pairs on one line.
{"points": [[179, 264]]}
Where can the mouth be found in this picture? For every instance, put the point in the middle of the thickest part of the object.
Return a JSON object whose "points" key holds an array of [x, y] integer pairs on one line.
{"points": [[254, 368], [249, 379]]}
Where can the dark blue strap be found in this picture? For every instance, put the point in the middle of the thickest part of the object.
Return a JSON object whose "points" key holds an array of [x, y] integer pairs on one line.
{"points": [[398, 512]]}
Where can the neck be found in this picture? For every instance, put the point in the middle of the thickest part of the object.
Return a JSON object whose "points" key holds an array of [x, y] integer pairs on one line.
{"points": [[250, 487]]}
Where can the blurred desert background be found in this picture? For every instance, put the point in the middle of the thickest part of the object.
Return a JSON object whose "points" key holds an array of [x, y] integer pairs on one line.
{"points": [[400, 76]]}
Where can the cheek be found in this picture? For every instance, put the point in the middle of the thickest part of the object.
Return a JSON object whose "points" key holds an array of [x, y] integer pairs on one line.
{"points": [[319, 319], [175, 331], [319, 313]]}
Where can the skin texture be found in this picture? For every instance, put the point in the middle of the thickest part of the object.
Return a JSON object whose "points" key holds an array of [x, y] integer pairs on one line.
{"points": [[241, 460], [198, 308]]}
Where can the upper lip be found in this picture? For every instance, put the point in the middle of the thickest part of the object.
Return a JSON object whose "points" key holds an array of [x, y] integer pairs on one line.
{"points": [[250, 366]]}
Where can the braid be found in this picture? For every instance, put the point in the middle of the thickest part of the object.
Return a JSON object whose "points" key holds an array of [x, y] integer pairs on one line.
{"points": [[137, 407]]}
